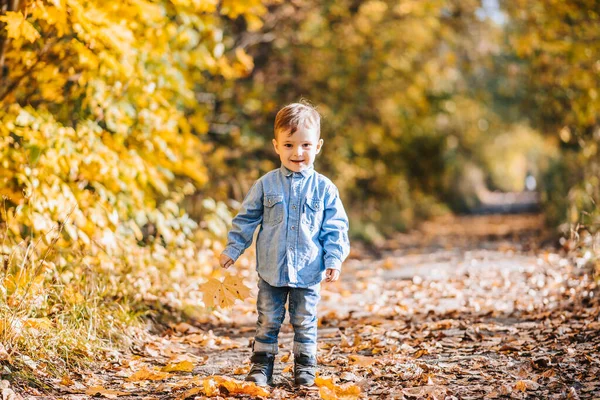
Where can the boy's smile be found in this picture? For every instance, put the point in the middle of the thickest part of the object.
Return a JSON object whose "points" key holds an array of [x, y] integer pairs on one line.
{"points": [[298, 151]]}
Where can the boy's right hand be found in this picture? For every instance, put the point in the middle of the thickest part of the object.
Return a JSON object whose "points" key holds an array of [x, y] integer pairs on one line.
{"points": [[225, 261]]}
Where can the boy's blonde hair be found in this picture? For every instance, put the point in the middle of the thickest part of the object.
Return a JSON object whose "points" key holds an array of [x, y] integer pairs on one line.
{"points": [[290, 117]]}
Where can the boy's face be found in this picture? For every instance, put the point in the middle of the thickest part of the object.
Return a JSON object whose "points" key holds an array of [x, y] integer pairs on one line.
{"points": [[298, 152]]}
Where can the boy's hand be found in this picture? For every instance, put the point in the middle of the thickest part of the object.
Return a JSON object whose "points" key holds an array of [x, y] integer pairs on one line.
{"points": [[332, 275], [225, 261]]}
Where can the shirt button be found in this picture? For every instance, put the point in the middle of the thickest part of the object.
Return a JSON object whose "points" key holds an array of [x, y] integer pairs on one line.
{"points": [[293, 227], [294, 207]]}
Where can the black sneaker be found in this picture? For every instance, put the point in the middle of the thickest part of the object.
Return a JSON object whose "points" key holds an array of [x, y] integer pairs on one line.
{"points": [[261, 372], [305, 369]]}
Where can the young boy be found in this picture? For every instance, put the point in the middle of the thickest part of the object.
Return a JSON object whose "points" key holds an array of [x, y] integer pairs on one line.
{"points": [[303, 239]]}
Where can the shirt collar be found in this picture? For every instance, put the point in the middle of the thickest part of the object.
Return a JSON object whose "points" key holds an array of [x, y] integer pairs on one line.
{"points": [[305, 173]]}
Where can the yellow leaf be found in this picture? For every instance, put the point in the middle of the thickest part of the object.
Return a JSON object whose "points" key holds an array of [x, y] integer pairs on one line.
{"points": [[184, 366], [17, 26], [241, 370], [327, 394], [233, 386], [331, 391], [146, 374], [224, 294], [66, 381], [244, 59]]}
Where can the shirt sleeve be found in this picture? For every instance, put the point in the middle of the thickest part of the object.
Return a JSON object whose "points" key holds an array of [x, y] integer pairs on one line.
{"points": [[245, 222], [334, 231]]}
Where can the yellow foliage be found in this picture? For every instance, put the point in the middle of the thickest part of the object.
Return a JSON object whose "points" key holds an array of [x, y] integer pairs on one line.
{"points": [[101, 138], [18, 27]]}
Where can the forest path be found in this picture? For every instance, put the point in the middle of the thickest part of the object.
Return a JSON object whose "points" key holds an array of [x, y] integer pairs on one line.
{"points": [[464, 307]]}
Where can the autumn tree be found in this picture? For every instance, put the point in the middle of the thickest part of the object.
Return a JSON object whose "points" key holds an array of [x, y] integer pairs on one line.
{"points": [[102, 130], [400, 87], [552, 75]]}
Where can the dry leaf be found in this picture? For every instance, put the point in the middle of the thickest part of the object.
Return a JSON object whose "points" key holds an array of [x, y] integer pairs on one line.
{"points": [[288, 369], [189, 393], [183, 366], [66, 381], [109, 394], [233, 386], [420, 353], [146, 374], [242, 370], [362, 361], [521, 386], [223, 294], [333, 391], [7, 393]]}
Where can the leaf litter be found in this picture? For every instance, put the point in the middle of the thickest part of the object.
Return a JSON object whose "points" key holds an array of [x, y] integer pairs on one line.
{"points": [[453, 311]]}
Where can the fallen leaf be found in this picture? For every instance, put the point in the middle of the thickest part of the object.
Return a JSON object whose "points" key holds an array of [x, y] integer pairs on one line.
{"points": [[7, 393], [288, 369], [183, 327], [332, 391], [242, 370], [521, 386], [183, 366], [189, 393], [146, 374], [420, 353], [108, 393], [233, 386], [66, 381], [362, 361]]}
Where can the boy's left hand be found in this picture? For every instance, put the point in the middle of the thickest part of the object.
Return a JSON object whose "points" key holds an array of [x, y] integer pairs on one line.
{"points": [[332, 275]]}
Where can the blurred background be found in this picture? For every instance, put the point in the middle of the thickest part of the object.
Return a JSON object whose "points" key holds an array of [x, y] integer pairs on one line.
{"points": [[131, 130], [428, 106]]}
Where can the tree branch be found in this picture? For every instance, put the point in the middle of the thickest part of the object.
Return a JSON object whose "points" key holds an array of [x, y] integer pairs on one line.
{"points": [[16, 82]]}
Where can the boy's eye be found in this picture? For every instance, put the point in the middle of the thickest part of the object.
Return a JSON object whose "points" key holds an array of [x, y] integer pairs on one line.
{"points": [[287, 145], [307, 145]]}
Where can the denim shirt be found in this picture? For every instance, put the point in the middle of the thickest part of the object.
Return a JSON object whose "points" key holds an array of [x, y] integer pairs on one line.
{"points": [[303, 227]]}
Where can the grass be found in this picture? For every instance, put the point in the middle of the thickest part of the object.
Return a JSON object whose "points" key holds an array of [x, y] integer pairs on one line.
{"points": [[54, 313]]}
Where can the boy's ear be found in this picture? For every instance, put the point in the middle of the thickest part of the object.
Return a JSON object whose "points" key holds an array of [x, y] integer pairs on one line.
{"points": [[319, 145], [275, 146]]}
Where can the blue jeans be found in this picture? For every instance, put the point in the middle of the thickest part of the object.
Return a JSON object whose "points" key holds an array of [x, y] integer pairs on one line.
{"points": [[271, 313]]}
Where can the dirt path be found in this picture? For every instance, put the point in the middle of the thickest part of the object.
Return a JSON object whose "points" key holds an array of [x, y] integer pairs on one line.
{"points": [[464, 308]]}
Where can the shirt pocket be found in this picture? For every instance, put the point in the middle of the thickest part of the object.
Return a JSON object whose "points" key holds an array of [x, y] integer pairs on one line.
{"points": [[313, 213], [273, 209]]}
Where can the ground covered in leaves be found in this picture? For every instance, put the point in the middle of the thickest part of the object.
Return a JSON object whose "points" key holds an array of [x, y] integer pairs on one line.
{"points": [[464, 308]]}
